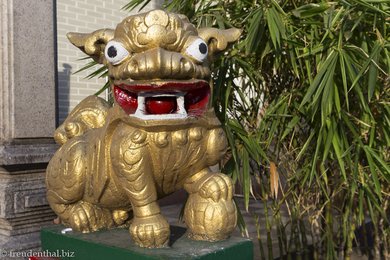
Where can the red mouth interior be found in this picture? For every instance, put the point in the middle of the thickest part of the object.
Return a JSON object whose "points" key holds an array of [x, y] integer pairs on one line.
{"points": [[196, 97], [160, 105]]}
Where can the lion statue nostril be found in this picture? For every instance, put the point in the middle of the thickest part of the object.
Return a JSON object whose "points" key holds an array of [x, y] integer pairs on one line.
{"points": [[186, 66], [170, 37], [143, 38], [133, 66]]}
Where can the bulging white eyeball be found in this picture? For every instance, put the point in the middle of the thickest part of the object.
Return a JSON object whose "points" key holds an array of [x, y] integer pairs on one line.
{"points": [[115, 52], [197, 50]]}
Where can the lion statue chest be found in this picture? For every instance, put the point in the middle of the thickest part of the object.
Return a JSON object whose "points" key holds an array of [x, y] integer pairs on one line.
{"points": [[172, 156]]}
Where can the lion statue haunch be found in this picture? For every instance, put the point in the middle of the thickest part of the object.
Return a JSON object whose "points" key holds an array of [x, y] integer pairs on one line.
{"points": [[161, 134]]}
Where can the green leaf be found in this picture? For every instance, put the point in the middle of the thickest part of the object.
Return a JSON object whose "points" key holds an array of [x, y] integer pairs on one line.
{"points": [[344, 77], [385, 167], [231, 141], [373, 7], [327, 95], [246, 177], [290, 126], [314, 161], [337, 100], [106, 86], [369, 60], [87, 66], [309, 10], [240, 219], [276, 26], [328, 139], [255, 31], [134, 4], [322, 78], [374, 176], [373, 75], [305, 146], [337, 146]]}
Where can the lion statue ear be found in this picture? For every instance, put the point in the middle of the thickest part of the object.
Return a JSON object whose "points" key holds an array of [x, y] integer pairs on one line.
{"points": [[217, 39], [92, 44]]}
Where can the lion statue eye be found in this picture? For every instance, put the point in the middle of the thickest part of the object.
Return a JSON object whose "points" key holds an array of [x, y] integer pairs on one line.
{"points": [[197, 50], [115, 52]]}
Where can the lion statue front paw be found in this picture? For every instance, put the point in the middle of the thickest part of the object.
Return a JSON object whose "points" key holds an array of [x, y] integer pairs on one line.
{"points": [[150, 231]]}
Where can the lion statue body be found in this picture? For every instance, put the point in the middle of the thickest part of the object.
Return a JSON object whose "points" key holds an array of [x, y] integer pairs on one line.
{"points": [[161, 135]]}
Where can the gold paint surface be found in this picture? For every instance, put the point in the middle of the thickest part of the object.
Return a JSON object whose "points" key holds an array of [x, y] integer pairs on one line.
{"points": [[113, 164]]}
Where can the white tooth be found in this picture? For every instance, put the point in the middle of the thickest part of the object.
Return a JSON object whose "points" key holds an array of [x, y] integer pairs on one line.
{"points": [[180, 105], [158, 94], [140, 112]]}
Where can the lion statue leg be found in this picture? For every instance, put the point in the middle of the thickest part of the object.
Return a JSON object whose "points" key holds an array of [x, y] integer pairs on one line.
{"points": [[210, 212], [65, 181], [134, 173]]}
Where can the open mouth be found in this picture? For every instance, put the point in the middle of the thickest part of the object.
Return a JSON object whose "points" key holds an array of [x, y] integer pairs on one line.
{"points": [[167, 100]]}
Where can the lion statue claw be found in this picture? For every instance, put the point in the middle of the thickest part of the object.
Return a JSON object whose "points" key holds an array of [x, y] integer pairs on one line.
{"points": [[161, 135]]}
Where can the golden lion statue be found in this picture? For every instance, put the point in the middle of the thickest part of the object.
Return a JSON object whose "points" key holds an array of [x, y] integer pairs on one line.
{"points": [[161, 134]]}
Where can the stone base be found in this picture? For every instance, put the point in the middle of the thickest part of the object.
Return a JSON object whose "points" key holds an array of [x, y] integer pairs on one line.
{"points": [[117, 244], [24, 209]]}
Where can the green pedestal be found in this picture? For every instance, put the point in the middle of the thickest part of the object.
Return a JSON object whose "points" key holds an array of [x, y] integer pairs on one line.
{"points": [[117, 244]]}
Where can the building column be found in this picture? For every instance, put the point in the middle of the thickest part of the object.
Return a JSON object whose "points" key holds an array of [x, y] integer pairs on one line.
{"points": [[27, 119]]}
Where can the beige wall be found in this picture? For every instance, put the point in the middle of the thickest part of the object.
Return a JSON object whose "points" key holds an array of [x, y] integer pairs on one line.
{"points": [[82, 16]]}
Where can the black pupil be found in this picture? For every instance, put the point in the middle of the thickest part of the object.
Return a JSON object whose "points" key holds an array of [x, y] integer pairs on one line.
{"points": [[111, 52], [203, 48]]}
